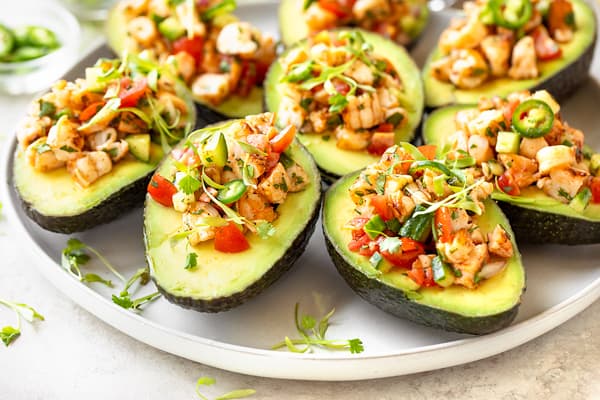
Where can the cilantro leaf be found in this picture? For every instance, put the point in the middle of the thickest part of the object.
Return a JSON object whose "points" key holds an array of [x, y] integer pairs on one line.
{"points": [[234, 394], [356, 346], [47, 109], [189, 184], [124, 299], [74, 256], [191, 261], [265, 229], [9, 334], [337, 103]]}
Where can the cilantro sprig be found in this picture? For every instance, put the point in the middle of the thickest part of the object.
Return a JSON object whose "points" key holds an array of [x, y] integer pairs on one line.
{"points": [[8, 334], [235, 394], [312, 333], [124, 299]]}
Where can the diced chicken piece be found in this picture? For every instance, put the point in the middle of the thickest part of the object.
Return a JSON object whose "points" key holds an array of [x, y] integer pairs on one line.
{"points": [[479, 148], [459, 249], [318, 19], [298, 178], [402, 206], [212, 88], [471, 266], [361, 73], [522, 169], [348, 139], [469, 69], [524, 62], [90, 167], [363, 112], [463, 35], [499, 243], [562, 184], [143, 30], [258, 164], [42, 160], [418, 196], [497, 50], [369, 9], [276, 185], [460, 219], [254, 207], [530, 146]]}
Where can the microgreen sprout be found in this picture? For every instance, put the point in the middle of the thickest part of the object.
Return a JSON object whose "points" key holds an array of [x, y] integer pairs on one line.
{"points": [[313, 334], [235, 394], [74, 256], [9, 334], [124, 298]]}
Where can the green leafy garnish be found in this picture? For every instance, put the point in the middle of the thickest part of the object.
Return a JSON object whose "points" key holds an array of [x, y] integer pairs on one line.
{"points": [[375, 227], [124, 299], [313, 334], [9, 334], [337, 103], [189, 184], [235, 394], [74, 256], [265, 229], [224, 7], [191, 261], [47, 109]]}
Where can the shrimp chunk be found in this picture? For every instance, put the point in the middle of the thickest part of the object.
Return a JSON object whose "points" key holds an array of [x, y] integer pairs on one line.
{"points": [[367, 9], [363, 112], [562, 184], [143, 30], [524, 62], [499, 243], [351, 140], [239, 38], [469, 69], [88, 168], [522, 169], [472, 265], [463, 34], [319, 19], [298, 178], [64, 135], [193, 221], [43, 161], [212, 88], [497, 52], [254, 206]]}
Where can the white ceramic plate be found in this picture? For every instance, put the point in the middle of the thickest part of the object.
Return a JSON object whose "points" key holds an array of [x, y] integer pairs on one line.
{"points": [[562, 281]]}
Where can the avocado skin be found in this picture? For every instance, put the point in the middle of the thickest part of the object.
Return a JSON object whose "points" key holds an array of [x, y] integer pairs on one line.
{"points": [[207, 116], [115, 205], [395, 302], [275, 272], [537, 227]]}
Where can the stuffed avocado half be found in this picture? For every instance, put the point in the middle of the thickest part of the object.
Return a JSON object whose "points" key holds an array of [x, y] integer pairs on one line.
{"points": [[228, 212], [546, 185], [504, 46], [87, 148], [417, 236], [350, 93], [222, 60], [400, 21]]}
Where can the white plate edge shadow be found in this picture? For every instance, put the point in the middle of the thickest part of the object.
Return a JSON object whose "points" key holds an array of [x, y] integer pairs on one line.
{"points": [[275, 364]]}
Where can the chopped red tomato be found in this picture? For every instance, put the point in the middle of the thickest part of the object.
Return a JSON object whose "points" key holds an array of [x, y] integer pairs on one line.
{"points": [[248, 78], [194, 47], [341, 8], [508, 185], [508, 110], [281, 142], [230, 239], [380, 204], [162, 190], [410, 250], [90, 111], [341, 87], [130, 93], [545, 47], [380, 142], [560, 16], [595, 187], [421, 276], [428, 150], [385, 128], [360, 240], [443, 224]]}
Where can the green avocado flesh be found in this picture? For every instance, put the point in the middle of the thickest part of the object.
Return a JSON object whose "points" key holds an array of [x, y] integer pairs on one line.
{"points": [[333, 161], [233, 107], [293, 28], [222, 281], [490, 307], [560, 77], [534, 216], [57, 203]]}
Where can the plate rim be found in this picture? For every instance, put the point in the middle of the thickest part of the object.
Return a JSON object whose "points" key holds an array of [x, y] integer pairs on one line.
{"points": [[305, 366]]}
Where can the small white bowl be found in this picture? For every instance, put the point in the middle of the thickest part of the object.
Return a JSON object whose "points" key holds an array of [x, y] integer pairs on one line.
{"points": [[34, 75]]}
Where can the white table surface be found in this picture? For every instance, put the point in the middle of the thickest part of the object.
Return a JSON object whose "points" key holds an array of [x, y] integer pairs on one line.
{"points": [[73, 355]]}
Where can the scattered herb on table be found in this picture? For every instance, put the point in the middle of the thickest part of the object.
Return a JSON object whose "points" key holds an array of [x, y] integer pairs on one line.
{"points": [[313, 334], [235, 394], [124, 298], [9, 334]]}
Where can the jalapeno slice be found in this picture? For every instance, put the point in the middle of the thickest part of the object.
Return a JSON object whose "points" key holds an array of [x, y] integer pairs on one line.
{"points": [[511, 14], [232, 192], [533, 118]]}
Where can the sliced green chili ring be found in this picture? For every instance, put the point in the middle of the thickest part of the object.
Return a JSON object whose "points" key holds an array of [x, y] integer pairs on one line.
{"points": [[533, 118], [511, 14], [7, 41], [232, 192]]}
